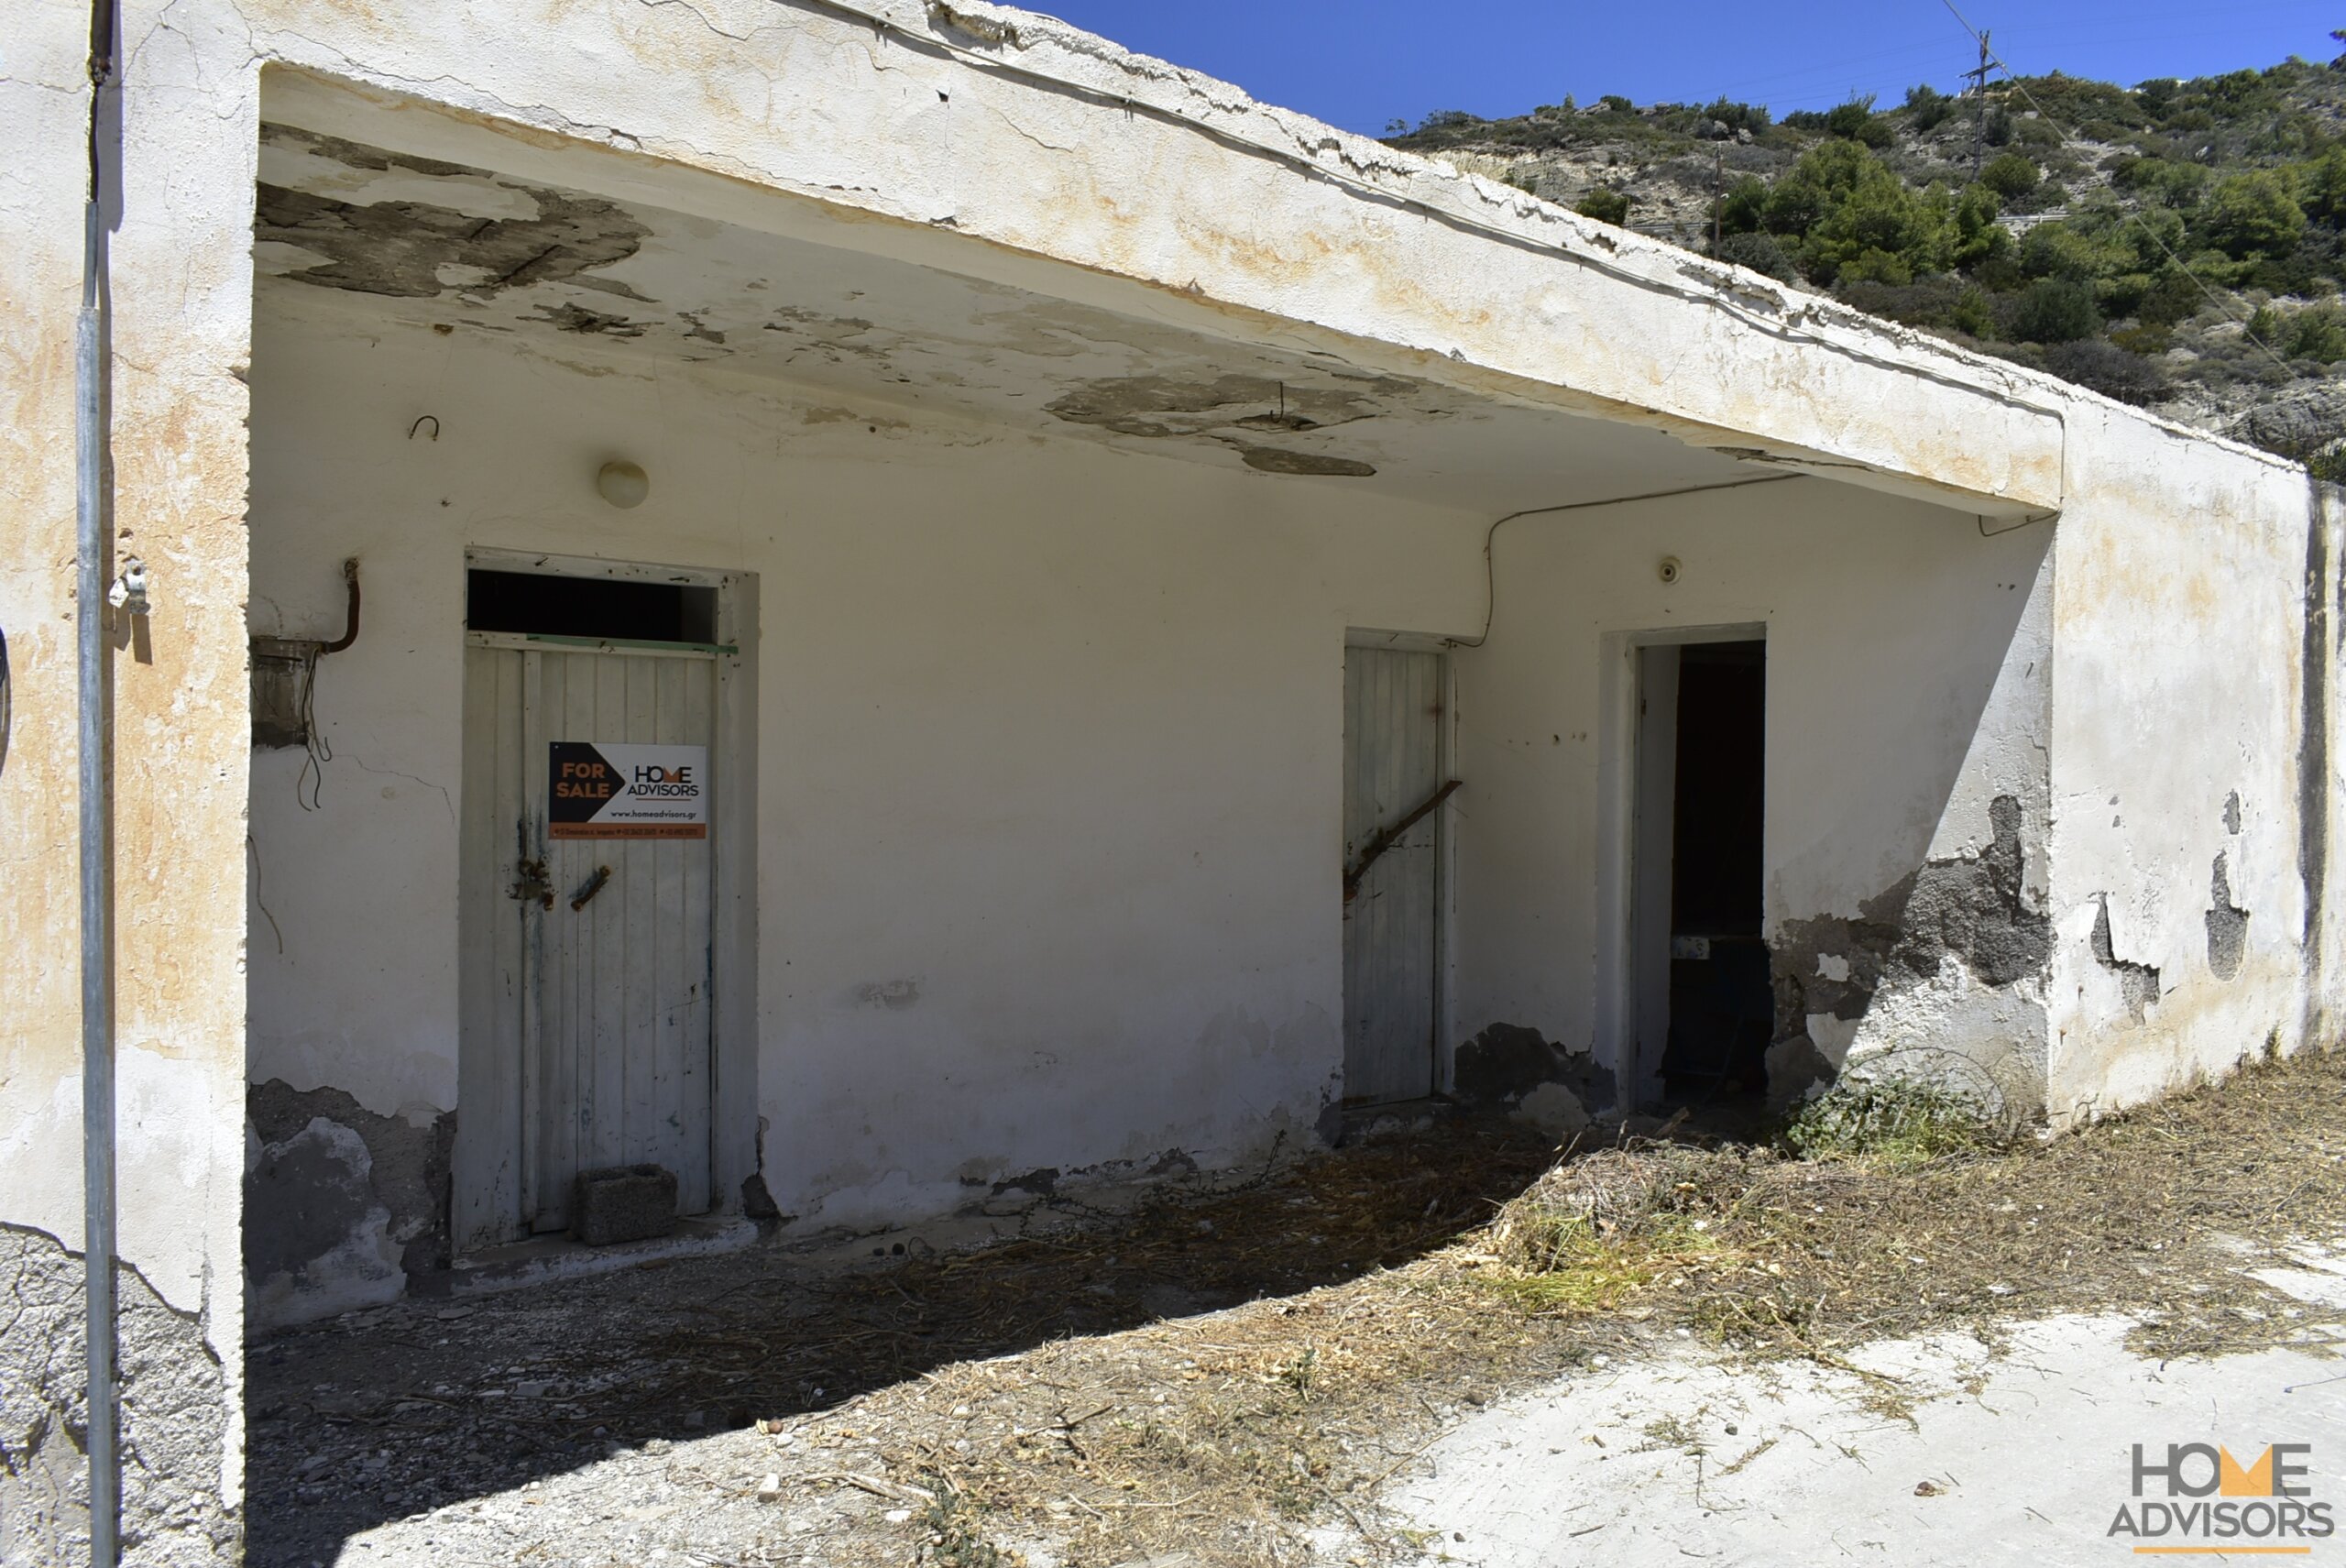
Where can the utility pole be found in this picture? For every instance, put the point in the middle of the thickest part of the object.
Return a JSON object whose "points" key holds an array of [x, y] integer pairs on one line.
{"points": [[1718, 196], [1978, 80]]}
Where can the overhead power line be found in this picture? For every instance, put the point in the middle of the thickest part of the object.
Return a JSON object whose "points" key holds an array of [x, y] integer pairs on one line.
{"points": [[1987, 57]]}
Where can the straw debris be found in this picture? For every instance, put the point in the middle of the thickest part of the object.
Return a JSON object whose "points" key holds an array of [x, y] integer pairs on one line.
{"points": [[1210, 1380], [1228, 1432]]}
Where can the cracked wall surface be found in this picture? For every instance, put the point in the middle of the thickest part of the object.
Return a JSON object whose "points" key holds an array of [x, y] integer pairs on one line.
{"points": [[179, 292], [2194, 775], [1907, 818], [1967, 923], [1050, 164], [174, 1426], [342, 1207]]}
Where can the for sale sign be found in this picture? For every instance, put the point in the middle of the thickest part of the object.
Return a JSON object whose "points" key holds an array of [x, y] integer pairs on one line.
{"points": [[606, 789]]}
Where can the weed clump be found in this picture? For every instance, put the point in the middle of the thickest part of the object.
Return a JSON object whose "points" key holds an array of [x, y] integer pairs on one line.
{"points": [[1895, 1121], [1599, 1228]]}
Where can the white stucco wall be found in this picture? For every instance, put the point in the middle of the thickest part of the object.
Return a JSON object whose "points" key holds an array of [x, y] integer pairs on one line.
{"points": [[180, 280], [2180, 659], [1049, 749], [1906, 691], [1050, 744], [2185, 575]]}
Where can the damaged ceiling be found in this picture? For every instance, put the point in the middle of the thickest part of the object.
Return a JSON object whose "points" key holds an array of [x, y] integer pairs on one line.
{"points": [[461, 247]]}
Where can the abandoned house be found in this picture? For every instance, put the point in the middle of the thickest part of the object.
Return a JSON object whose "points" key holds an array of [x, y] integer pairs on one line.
{"points": [[855, 604]]}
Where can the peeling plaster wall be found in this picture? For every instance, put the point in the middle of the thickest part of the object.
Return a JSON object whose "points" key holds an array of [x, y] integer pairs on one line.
{"points": [[181, 278], [1049, 759], [174, 1384], [2180, 664], [1906, 806], [2195, 766], [1349, 245]]}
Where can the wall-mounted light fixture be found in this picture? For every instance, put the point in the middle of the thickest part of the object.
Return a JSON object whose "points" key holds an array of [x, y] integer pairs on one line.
{"points": [[623, 485]]}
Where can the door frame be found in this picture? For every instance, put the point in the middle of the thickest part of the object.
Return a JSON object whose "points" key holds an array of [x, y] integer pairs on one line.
{"points": [[1445, 854], [486, 1182], [1632, 935]]}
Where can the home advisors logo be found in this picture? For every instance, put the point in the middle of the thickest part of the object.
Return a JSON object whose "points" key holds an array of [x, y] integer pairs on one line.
{"points": [[607, 789], [2197, 1499]]}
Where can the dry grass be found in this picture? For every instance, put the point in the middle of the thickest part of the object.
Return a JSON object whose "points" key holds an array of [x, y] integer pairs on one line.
{"points": [[1221, 1435], [1231, 1366]]}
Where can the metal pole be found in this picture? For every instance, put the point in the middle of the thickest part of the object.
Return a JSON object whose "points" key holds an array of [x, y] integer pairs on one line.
{"points": [[97, 848]]}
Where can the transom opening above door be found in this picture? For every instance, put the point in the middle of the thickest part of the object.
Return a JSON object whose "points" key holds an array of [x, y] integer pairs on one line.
{"points": [[614, 610]]}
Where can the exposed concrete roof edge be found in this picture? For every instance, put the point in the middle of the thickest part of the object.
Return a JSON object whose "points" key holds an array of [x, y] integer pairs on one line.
{"points": [[1099, 64]]}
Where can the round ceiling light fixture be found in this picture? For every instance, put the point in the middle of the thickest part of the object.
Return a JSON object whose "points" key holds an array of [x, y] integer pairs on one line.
{"points": [[624, 484]]}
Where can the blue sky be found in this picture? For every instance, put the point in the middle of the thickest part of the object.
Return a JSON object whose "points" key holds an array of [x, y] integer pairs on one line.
{"points": [[1360, 63]]}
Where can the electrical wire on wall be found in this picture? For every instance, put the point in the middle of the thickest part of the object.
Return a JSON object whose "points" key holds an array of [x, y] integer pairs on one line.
{"points": [[1491, 534], [310, 784], [285, 695]]}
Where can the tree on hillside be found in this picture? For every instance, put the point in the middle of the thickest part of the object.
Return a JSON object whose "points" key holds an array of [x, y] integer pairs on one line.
{"points": [[1604, 204], [2251, 214]]}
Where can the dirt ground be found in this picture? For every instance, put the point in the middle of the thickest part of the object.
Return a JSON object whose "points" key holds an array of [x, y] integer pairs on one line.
{"points": [[1242, 1373]]}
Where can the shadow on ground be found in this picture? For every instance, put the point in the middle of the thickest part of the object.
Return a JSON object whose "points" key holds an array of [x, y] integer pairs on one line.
{"points": [[389, 1413]]}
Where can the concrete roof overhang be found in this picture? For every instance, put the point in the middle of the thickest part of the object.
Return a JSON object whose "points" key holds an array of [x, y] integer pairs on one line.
{"points": [[459, 241], [1434, 355]]}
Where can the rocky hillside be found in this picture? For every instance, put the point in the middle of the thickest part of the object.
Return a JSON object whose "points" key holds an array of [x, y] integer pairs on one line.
{"points": [[2178, 245]]}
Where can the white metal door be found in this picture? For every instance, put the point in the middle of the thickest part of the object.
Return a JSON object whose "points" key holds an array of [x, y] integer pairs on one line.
{"points": [[607, 954], [1393, 703]]}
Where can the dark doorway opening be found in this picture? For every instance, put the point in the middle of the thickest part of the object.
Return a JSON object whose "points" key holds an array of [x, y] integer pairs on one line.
{"points": [[1722, 1002]]}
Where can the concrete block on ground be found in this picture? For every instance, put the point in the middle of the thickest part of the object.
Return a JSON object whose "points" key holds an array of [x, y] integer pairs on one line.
{"points": [[623, 1204]]}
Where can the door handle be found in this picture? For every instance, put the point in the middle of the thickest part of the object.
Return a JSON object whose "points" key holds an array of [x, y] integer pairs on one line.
{"points": [[590, 887], [533, 887]]}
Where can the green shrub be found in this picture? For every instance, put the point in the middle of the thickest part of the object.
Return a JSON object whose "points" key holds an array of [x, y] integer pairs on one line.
{"points": [[1979, 237], [1760, 252], [2171, 298], [2252, 215], [1849, 120], [1752, 118], [2318, 333], [2107, 368], [2164, 181], [1973, 315], [1604, 204], [2054, 310], [2322, 190], [2077, 251], [1927, 108], [2011, 174], [1744, 206]]}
